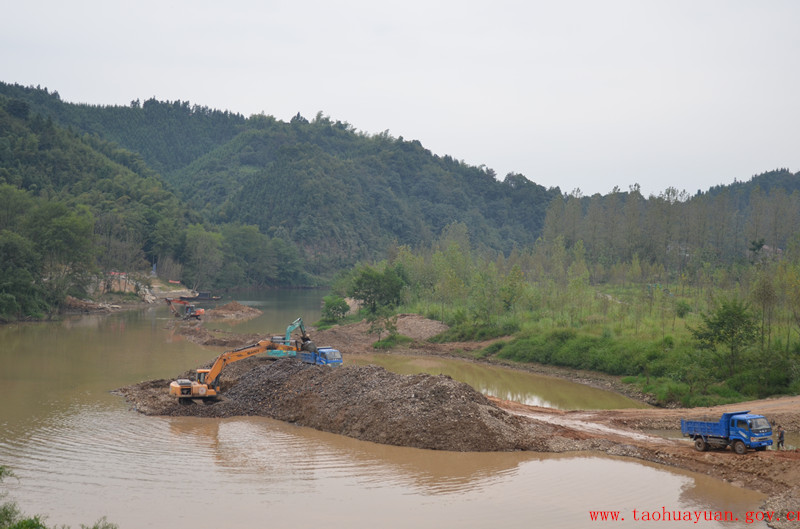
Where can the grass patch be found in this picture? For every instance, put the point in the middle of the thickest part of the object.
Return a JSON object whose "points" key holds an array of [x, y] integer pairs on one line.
{"points": [[466, 332], [391, 341], [325, 324]]}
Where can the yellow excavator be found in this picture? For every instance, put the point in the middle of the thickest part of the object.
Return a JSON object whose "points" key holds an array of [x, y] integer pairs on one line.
{"points": [[206, 385]]}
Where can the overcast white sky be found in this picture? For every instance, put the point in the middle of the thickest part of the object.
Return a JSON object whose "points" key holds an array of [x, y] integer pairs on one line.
{"points": [[587, 94]]}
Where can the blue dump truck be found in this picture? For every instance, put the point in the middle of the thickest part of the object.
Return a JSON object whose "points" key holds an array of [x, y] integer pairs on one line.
{"points": [[739, 429], [303, 349], [323, 356]]}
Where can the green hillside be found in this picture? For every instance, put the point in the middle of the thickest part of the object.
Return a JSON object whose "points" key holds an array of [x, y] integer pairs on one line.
{"points": [[340, 195], [71, 205], [335, 194], [223, 201], [167, 135], [77, 206], [127, 199]]}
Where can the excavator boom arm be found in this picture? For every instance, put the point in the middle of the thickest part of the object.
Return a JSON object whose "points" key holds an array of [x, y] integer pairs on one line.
{"points": [[228, 357], [207, 384], [298, 323]]}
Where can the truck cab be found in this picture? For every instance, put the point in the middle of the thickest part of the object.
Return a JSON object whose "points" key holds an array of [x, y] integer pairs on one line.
{"points": [[329, 356]]}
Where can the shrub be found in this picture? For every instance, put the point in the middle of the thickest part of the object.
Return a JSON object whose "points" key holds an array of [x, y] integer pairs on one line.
{"points": [[469, 332], [393, 340], [334, 308], [492, 349]]}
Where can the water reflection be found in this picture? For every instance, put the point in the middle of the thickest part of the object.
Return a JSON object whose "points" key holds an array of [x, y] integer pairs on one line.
{"points": [[276, 448]]}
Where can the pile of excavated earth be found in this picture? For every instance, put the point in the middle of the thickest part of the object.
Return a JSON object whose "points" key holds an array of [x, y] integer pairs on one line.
{"points": [[233, 311], [364, 402], [437, 412]]}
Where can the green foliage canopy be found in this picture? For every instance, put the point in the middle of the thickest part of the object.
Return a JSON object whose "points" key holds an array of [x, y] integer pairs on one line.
{"points": [[377, 289], [731, 325]]}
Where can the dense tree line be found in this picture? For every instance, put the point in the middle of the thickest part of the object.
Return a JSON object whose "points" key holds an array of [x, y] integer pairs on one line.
{"points": [[73, 207], [728, 332], [46, 253], [336, 194], [167, 135], [682, 236]]}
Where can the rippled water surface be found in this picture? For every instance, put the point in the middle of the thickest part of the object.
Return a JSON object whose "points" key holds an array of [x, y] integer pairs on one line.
{"points": [[80, 453]]}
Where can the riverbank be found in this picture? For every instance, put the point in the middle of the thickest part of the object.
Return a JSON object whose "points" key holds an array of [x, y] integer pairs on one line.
{"points": [[438, 413], [622, 432]]}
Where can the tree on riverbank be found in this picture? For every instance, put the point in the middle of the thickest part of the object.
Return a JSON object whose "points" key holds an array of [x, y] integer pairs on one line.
{"points": [[730, 325]]}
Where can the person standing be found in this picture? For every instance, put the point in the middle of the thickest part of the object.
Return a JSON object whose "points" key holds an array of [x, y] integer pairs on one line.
{"points": [[780, 437]]}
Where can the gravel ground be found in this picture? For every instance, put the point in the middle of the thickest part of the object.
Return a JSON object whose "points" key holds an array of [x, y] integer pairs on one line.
{"points": [[367, 402]]}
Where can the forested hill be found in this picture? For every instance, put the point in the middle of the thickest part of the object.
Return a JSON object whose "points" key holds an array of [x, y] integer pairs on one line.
{"points": [[167, 136], [744, 193], [337, 194], [219, 200], [71, 205]]}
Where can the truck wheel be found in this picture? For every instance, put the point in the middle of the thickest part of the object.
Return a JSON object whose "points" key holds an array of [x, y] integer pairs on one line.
{"points": [[700, 445], [739, 447]]}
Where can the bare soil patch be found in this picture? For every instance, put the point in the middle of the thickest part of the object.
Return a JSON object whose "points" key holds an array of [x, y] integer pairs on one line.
{"points": [[232, 311], [195, 332]]}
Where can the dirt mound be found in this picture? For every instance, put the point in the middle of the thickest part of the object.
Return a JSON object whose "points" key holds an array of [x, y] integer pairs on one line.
{"points": [[367, 403], [232, 311], [373, 404], [194, 331], [356, 338]]}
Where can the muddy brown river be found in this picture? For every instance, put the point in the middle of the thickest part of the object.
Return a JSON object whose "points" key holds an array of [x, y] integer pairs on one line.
{"points": [[80, 453]]}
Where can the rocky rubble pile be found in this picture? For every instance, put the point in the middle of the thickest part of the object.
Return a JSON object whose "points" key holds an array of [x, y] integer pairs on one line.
{"points": [[364, 402], [373, 404], [782, 504]]}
